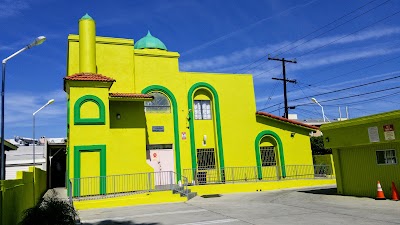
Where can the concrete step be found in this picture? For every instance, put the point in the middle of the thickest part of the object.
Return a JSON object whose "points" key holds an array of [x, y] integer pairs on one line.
{"points": [[180, 190], [191, 195]]}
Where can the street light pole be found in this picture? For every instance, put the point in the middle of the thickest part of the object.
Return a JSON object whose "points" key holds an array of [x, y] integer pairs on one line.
{"points": [[322, 108], [39, 40], [33, 115]]}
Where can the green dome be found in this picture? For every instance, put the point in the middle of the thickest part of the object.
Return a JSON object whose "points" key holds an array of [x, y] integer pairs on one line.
{"points": [[150, 42]]}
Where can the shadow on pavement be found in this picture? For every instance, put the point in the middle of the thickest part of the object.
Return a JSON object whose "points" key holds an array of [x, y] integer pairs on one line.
{"points": [[114, 222], [324, 191]]}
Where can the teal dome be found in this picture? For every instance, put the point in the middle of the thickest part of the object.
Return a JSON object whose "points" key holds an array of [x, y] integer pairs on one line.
{"points": [[150, 42]]}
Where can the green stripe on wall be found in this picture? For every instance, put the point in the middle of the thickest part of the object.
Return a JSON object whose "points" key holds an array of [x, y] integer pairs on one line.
{"points": [[168, 93], [208, 87], [77, 166], [280, 148]]}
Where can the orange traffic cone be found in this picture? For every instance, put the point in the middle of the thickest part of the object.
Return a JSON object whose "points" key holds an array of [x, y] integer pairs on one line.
{"points": [[395, 194], [379, 194]]}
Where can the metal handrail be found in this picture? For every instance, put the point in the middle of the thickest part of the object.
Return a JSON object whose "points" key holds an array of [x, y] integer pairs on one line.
{"points": [[126, 184], [256, 174]]}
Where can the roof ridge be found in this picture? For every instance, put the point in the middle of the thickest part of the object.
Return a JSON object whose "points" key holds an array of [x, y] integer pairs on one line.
{"points": [[286, 120], [130, 95], [89, 77]]}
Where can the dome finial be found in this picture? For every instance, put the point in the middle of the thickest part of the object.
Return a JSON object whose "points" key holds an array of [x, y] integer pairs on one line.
{"points": [[86, 17], [148, 33]]}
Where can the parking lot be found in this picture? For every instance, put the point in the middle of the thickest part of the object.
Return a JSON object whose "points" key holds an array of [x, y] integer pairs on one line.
{"points": [[296, 206]]}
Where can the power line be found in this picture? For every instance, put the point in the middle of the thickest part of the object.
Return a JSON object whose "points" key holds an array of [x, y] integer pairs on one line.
{"points": [[344, 89], [306, 97], [374, 64], [355, 102], [326, 25], [307, 53], [284, 61], [348, 88], [387, 17], [371, 100], [223, 37], [362, 68], [344, 74], [337, 26], [272, 93], [352, 96]]}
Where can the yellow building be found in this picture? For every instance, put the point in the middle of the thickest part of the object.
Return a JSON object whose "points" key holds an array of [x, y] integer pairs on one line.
{"points": [[130, 110], [365, 150]]}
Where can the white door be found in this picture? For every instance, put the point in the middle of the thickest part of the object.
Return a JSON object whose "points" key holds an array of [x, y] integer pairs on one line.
{"points": [[162, 161]]}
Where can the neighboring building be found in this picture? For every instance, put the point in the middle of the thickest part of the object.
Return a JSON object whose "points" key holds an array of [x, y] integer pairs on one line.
{"points": [[144, 115], [21, 158], [317, 123], [365, 150]]}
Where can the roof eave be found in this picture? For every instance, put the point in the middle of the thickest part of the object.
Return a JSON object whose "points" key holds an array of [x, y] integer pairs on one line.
{"points": [[287, 121]]}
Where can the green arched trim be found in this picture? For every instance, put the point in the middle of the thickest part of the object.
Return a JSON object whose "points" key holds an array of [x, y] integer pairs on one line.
{"points": [[280, 149], [202, 85], [89, 121], [174, 103]]}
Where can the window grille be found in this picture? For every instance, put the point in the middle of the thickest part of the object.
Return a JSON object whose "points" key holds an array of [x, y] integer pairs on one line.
{"points": [[268, 155], [206, 158], [386, 157], [202, 110], [160, 104]]}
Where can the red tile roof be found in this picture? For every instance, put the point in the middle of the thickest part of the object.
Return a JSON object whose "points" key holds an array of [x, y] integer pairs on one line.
{"points": [[131, 95], [286, 120], [89, 77]]}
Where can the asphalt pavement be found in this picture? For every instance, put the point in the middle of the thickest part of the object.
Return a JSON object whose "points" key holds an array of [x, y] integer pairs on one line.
{"points": [[319, 205]]}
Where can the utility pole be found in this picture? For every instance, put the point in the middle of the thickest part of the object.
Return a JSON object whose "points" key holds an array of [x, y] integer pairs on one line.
{"points": [[283, 60]]}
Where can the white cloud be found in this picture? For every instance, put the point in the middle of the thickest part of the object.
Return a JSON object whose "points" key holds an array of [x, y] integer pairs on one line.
{"points": [[247, 54], [327, 58], [245, 28], [12, 7], [342, 39], [20, 106]]}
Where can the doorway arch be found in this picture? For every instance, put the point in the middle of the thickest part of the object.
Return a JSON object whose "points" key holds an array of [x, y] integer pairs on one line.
{"points": [[274, 136]]}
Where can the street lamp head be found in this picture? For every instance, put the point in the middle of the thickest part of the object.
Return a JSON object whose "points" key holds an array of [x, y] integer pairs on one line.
{"points": [[314, 100], [51, 101], [39, 40]]}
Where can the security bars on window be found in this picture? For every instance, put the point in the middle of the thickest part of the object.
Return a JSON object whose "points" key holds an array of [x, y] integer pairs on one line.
{"points": [[206, 158], [268, 155], [386, 157]]}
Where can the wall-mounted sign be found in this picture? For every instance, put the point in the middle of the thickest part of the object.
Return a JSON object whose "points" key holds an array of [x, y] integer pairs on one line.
{"points": [[157, 128], [154, 155], [373, 134], [388, 130], [183, 135]]}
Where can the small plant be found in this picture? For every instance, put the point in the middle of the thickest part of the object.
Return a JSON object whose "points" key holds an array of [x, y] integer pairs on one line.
{"points": [[50, 211]]}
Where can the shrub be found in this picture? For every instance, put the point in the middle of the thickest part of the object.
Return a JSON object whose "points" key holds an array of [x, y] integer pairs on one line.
{"points": [[50, 211]]}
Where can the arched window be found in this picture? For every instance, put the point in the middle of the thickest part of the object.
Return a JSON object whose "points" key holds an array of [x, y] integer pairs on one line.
{"points": [[160, 104]]}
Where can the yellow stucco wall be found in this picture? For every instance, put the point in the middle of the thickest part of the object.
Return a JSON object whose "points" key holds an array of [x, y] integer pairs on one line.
{"points": [[125, 139], [20, 194], [356, 167]]}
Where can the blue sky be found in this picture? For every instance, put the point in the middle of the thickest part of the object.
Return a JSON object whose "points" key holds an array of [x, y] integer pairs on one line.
{"points": [[214, 36]]}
